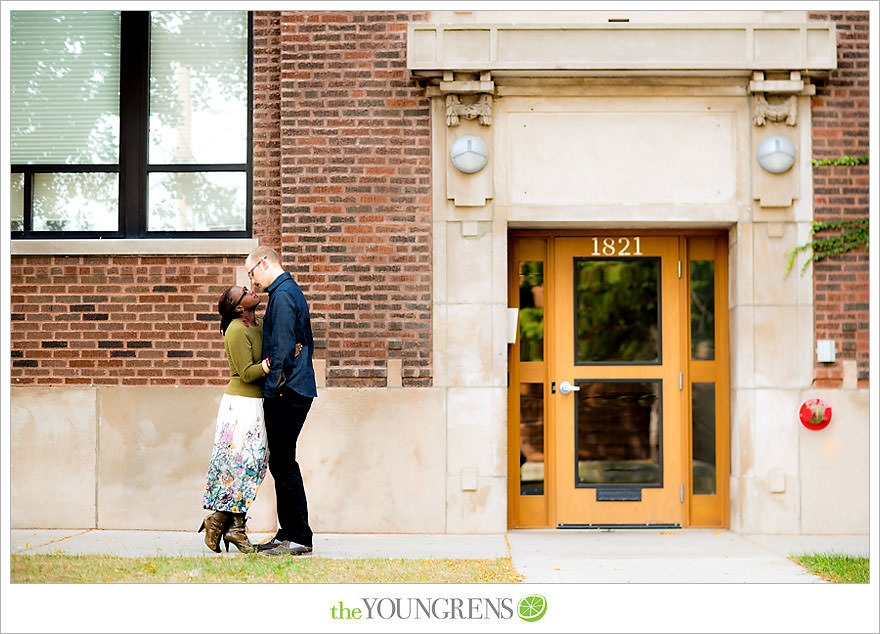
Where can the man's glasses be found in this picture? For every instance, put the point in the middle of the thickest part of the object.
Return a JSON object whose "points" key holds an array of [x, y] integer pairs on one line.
{"points": [[251, 272], [244, 292]]}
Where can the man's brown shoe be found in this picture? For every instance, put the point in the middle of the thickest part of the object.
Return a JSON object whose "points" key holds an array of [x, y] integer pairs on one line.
{"points": [[285, 548], [269, 545]]}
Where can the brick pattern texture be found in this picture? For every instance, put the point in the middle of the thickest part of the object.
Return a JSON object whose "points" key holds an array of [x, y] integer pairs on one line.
{"points": [[267, 129], [118, 320], [342, 188], [840, 128], [355, 204]]}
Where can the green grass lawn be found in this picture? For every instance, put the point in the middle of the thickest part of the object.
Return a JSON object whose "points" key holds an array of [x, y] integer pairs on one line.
{"points": [[256, 569], [836, 568]]}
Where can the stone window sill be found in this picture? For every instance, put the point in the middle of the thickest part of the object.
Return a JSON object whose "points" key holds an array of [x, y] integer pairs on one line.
{"points": [[177, 246]]}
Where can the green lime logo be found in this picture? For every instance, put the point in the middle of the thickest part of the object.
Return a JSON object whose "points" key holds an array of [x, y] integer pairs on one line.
{"points": [[532, 608]]}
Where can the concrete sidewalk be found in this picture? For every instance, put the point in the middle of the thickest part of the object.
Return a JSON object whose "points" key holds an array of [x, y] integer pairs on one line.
{"points": [[542, 556]]}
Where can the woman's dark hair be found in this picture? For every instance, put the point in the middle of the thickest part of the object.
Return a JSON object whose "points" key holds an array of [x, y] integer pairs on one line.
{"points": [[226, 308]]}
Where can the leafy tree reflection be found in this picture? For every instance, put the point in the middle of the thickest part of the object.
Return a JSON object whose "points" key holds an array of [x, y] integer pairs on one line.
{"points": [[69, 59], [64, 89], [198, 71], [617, 310]]}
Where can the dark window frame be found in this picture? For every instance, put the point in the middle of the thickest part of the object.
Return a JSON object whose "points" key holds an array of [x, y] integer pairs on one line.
{"points": [[134, 167]]}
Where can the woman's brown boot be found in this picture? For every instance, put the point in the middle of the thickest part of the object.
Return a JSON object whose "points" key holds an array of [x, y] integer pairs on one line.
{"points": [[214, 526], [237, 535]]}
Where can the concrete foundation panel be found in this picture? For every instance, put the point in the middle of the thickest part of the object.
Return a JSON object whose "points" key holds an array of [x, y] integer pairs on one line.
{"points": [[374, 461], [835, 466], [53, 438], [154, 448]]}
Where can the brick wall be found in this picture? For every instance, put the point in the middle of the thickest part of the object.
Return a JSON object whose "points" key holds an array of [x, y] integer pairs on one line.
{"points": [[342, 187], [267, 128], [118, 320], [840, 128], [355, 178]]}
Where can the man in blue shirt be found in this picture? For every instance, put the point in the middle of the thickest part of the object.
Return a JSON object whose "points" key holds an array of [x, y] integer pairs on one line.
{"points": [[288, 391]]}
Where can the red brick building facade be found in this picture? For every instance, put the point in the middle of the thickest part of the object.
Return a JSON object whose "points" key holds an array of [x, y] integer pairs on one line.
{"points": [[587, 125], [118, 320], [342, 188], [841, 192], [351, 185]]}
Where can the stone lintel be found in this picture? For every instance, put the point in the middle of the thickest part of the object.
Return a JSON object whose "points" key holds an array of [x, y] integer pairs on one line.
{"points": [[433, 49]]}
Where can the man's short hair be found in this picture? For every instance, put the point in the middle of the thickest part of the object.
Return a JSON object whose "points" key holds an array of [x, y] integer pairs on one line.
{"points": [[264, 252]]}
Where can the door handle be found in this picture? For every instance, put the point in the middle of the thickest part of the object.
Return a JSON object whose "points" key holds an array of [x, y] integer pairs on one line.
{"points": [[567, 388]]}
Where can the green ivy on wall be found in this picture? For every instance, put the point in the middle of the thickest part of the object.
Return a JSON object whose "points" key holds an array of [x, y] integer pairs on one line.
{"points": [[853, 234], [848, 234], [843, 160]]}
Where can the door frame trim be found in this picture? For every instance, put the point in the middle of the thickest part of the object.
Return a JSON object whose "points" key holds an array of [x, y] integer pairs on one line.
{"points": [[544, 514]]}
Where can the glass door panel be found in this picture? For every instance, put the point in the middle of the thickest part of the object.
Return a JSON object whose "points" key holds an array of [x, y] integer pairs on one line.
{"points": [[703, 438], [618, 310], [531, 311], [530, 455], [618, 427], [707, 371], [531, 434]]}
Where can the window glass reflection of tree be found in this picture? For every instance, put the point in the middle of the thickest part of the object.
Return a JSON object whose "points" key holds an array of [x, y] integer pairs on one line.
{"points": [[16, 213], [75, 202], [198, 115], [618, 316], [531, 311], [65, 89], [198, 87], [703, 310], [64, 110]]}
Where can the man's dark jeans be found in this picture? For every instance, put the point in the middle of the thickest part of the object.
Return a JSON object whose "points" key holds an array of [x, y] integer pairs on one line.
{"points": [[285, 415]]}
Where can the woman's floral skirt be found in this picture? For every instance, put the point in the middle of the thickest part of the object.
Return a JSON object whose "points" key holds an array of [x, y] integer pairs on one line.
{"points": [[239, 458]]}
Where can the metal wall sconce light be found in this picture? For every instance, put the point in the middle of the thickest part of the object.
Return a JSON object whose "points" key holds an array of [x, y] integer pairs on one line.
{"points": [[469, 154], [776, 154]]}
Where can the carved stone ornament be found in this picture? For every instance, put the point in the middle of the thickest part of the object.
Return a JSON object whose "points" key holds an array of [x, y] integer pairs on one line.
{"points": [[455, 110], [762, 111]]}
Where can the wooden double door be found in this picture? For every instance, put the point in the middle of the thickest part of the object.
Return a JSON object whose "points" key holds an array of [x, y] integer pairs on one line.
{"points": [[618, 394]]}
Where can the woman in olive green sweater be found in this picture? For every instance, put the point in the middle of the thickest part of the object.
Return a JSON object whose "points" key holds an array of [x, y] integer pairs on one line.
{"points": [[238, 459]]}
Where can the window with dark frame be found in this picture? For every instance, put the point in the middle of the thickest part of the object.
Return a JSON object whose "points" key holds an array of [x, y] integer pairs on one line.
{"points": [[131, 124]]}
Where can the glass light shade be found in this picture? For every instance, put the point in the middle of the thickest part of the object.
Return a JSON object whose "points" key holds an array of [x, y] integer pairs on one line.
{"points": [[469, 154], [776, 154]]}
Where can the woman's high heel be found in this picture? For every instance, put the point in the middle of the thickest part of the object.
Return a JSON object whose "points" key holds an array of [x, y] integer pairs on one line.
{"points": [[236, 534], [214, 526]]}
